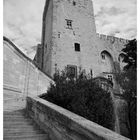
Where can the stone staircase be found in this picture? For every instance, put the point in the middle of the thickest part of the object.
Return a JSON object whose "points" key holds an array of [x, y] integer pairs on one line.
{"points": [[18, 126]]}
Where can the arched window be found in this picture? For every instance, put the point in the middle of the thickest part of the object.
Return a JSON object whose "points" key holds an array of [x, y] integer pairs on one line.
{"points": [[103, 56], [107, 62]]}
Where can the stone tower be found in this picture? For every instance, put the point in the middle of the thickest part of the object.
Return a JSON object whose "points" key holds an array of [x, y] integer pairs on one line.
{"points": [[69, 40], [68, 35]]}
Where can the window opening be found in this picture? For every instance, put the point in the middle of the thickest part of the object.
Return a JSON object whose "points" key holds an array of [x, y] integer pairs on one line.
{"points": [[103, 56], [91, 73], [69, 23], [58, 34], [77, 47], [71, 71], [74, 3], [110, 77]]}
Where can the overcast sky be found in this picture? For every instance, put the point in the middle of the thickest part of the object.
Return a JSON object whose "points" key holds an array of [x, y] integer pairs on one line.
{"points": [[23, 20]]}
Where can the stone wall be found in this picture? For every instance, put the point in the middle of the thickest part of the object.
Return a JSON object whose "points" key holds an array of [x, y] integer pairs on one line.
{"points": [[20, 76], [61, 51], [122, 113], [47, 37], [62, 124]]}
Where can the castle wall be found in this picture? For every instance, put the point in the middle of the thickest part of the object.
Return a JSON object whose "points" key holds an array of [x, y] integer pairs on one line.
{"points": [[113, 46]]}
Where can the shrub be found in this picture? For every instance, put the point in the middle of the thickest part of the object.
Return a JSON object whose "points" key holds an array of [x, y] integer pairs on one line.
{"points": [[83, 97]]}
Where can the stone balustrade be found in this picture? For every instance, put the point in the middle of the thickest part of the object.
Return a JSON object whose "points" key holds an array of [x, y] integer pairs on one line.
{"points": [[62, 124]]}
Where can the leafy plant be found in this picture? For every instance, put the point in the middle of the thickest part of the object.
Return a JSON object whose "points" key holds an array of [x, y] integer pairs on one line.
{"points": [[128, 82], [83, 97]]}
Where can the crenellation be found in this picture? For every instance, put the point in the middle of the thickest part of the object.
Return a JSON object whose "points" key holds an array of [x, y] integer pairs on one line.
{"points": [[121, 40], [112, 39], [116, 39], [103, 36], [86, 4]]}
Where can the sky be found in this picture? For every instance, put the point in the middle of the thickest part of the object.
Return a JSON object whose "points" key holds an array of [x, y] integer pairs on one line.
{"points": [[22, 21]]}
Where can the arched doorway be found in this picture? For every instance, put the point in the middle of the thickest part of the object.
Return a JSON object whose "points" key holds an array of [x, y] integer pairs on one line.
{"points": [[107, 62], [107, 65]]}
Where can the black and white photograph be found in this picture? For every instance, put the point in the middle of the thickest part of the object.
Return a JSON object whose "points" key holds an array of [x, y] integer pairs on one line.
{"points": [[69, 70]]}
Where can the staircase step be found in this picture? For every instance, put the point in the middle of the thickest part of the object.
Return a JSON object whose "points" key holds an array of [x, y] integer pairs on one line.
{"points": [[22, 133], [28, 137], [16, 119], [19, 126], [14, 112], [22, 129], [22, 121]]}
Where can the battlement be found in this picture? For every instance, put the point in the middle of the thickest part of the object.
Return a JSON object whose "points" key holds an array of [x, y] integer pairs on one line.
{"points": [[112, 39]]}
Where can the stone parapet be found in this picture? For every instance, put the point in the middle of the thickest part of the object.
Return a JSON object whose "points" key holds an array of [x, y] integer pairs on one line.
{"points": [[62, 124], [112, 39]]}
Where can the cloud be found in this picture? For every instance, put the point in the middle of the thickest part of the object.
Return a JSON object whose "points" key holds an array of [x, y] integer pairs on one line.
{"points": [[109, 11], [23, 20], [116, 17]]}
